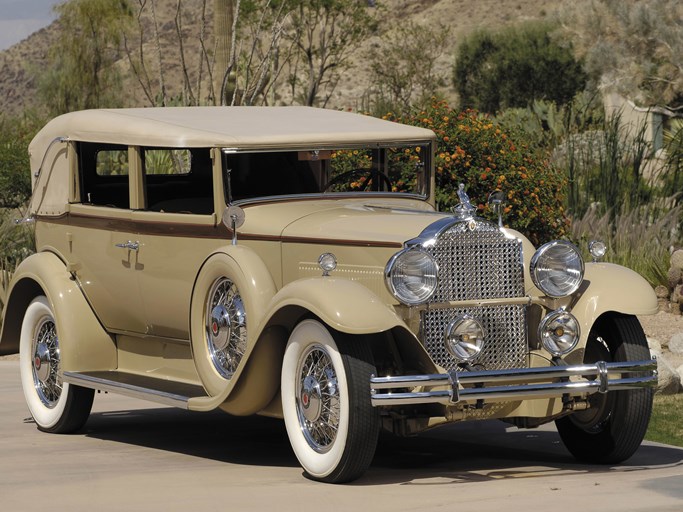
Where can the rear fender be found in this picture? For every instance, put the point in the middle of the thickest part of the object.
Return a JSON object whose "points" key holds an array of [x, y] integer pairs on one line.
{"points": [[84, 343]]}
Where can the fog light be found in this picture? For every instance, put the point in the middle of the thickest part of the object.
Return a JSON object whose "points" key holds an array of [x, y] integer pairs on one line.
{"points": [[559, 332], [464, 338]]}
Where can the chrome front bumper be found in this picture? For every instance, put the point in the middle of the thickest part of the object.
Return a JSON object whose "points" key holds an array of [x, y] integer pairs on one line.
{"points": [[513, 384]]}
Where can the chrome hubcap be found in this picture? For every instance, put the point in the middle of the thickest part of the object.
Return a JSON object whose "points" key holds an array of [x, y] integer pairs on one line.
{"points": [[226, 327], [311, 399], [45, 366], [317, 398]]}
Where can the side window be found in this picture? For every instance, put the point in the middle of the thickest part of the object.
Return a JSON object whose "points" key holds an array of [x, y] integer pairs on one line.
{"points": [[168, 161], [178, 180], [111, 162], [104, 174]]}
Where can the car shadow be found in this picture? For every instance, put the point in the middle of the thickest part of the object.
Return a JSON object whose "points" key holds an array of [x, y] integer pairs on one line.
{"points": [[457, 453], [210, 435]]}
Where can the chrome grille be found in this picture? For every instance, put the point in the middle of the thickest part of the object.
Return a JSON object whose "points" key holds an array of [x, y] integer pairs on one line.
{"points": [[505, 344], [479, 263]]}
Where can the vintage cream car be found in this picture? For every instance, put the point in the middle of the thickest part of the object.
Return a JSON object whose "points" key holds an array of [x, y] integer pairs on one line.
{"points": [[289, 262]]}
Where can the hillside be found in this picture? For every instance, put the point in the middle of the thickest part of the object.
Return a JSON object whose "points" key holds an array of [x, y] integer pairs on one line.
{"points": [[22, 62]]}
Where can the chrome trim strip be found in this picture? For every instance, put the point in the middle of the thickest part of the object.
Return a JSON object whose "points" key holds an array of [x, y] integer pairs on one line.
{"points": [[513, 390], [152, 395]]}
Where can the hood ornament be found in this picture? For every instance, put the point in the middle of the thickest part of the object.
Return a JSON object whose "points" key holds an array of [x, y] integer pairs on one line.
{"points": [[465, 210]]}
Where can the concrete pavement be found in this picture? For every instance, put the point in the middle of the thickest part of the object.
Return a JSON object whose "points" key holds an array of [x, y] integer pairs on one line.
{"points": [[133, 455]]}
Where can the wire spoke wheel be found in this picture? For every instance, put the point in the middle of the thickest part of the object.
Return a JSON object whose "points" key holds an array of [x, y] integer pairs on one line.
{"points": [[45, 349], [226, 327], [318, 399]]}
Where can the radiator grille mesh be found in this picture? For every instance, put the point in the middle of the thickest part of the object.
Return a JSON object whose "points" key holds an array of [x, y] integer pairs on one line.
{"points": [[477, 261], [477, 264], [505, 343]]}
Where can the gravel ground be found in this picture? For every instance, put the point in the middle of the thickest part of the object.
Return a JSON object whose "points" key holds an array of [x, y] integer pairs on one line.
{"points": [[662, 326]]}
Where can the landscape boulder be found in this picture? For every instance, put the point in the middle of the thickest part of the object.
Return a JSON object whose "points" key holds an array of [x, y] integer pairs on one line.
{"points": [[676, 344], [668, 379]]}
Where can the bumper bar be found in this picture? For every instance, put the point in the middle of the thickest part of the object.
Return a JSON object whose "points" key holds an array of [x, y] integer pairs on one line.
{"points": [[513, 384]]}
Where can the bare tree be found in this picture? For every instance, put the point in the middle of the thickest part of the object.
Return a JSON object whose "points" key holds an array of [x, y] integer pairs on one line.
{"points": [[256, 46], [326, 33]]}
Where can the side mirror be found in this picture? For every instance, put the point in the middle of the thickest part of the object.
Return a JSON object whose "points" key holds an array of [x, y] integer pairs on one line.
{"points": [[496, 204], [233, 218]]}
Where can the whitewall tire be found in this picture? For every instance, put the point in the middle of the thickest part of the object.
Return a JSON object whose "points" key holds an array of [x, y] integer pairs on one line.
{"points": [[331, 424], [55, 406]]}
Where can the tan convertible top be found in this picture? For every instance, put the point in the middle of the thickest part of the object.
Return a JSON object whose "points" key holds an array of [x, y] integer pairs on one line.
{"points": [[241, 127], [186, 127]]}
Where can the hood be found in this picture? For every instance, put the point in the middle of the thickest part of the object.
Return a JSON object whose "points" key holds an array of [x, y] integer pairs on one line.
{"points": [[371, 222]]}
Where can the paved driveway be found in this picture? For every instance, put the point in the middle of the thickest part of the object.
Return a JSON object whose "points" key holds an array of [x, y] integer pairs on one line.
{"points": [[136, 456]]}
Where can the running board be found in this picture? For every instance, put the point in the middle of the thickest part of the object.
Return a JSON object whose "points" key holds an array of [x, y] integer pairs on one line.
{"points": [[167, 392]]}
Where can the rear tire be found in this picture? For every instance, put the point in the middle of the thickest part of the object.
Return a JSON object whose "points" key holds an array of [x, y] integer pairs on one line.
{"points": [[613, 428], [330, 421], [56, 407]]}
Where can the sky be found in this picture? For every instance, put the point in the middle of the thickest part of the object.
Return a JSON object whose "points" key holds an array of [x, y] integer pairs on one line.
{"points": [[20, 18]]}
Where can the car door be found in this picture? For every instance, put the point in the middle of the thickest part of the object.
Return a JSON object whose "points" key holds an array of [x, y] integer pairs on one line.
{"points": [[102, 245], [177, 230]]}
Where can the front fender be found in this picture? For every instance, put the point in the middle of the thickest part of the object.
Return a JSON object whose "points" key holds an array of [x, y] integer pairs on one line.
{"points": [[609, 287], [84, 344], [342, 304]]}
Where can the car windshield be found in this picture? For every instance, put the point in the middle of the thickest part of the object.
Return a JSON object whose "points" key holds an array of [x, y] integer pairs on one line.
{"points": [[399, 169]]}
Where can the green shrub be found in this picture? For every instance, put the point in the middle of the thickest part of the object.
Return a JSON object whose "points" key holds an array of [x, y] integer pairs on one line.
{"points": [[15, 175], [512, 68], [472, 149]]}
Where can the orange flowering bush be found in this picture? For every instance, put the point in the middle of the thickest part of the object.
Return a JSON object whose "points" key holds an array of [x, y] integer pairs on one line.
{"points": [[472, 149]]}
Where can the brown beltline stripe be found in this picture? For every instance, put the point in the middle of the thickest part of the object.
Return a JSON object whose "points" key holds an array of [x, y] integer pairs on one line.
{"points": [[219, 232]]}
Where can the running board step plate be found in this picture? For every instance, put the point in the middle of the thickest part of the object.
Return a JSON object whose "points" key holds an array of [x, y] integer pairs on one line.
{"points": [[176, 394]]}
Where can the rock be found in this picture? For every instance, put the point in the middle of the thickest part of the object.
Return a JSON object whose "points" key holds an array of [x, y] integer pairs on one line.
{"points": [[654, 345], [662, 292], [680, 376], [668, 378], [677, 259], [676, 344]]}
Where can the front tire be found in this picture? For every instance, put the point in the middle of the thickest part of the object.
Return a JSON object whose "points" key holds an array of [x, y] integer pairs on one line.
{"points": [[611, 430], [330, 421], [56, 407]]}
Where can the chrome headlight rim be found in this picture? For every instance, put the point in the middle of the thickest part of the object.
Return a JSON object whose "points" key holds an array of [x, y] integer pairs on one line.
{"points": [[396, 291], [464, 326], [538, 258], [544, 332]]}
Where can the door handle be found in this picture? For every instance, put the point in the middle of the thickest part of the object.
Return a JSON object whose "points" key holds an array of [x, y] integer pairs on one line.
{"points": [[130, 245]]}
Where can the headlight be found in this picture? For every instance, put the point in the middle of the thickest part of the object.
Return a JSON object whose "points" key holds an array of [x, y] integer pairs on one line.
{"points": [[557, 269], [411, 276]]}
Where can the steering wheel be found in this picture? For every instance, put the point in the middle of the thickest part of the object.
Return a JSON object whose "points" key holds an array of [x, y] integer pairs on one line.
{"points": [[373, 174]]}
